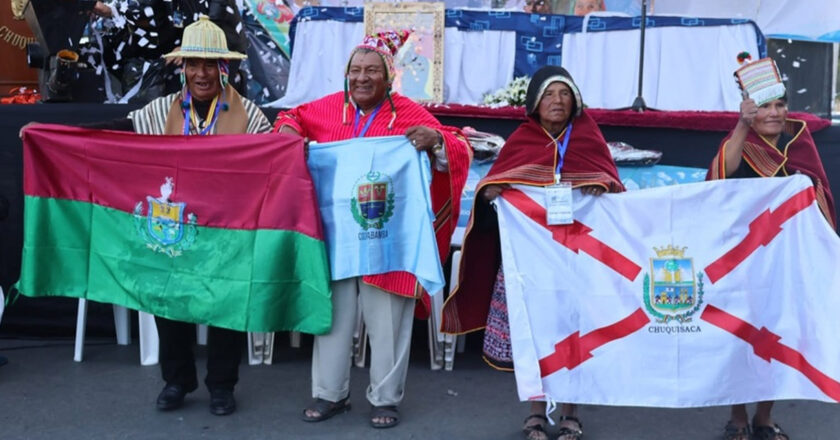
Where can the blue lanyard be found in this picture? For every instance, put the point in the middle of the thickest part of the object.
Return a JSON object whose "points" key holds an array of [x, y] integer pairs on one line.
{"points": [[367, 124], [188, 118], [561, 149]]}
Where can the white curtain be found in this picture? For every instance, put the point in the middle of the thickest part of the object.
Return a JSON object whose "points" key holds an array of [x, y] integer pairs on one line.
{"points": [[319, 55], [474, 62], [806, 18], [686, 68]]}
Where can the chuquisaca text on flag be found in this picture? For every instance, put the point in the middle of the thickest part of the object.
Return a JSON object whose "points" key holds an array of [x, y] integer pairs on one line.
{"points": [[702, 294]]}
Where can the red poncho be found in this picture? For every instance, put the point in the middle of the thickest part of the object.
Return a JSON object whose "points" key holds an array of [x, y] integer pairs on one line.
{"points": [[528, 157], [799, 155]]}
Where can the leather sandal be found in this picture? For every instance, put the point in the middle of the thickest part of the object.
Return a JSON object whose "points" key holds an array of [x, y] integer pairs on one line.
{"points": [[566, 433], [325, 409], [732, 432], [535, 431], [386, 411], [768, 433]]}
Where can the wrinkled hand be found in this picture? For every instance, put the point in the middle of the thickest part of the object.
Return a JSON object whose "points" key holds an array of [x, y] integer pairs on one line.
{"points": [[28, 124], [593, 190], [748, 111], [287, 129], [423, 138], [490, 192], [101, 9], [178, 61]]}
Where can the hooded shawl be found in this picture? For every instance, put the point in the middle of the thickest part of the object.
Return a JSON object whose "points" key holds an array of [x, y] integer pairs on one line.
{"points": [[798, 155], [528, 157]]}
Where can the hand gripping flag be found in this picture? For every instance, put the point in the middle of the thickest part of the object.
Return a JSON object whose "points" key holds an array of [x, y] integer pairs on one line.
{"points": [[220, 230], [375, 204], [703, 294]]}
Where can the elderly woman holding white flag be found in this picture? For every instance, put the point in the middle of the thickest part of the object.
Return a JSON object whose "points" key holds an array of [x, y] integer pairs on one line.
{"points": [[766, 143], [558, 144]]}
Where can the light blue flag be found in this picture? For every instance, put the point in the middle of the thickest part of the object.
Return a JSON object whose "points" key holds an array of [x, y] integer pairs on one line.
{"points": [[374, 198]]}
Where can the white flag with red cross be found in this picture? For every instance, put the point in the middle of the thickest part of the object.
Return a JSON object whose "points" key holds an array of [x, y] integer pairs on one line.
{"points": [[702, 294]]}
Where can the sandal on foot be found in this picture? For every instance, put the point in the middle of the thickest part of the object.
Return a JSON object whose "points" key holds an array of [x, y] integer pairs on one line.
{"points": [[732, 432], [386, 411], [565, 432], [768, 433], [535, 431], [325, 409]]}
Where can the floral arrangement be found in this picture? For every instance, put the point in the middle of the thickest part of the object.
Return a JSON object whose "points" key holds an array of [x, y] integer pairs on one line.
{"points": [[511, 94]]}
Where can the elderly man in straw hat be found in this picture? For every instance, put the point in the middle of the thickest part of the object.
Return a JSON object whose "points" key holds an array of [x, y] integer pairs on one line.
{"points": [[206, 105]]}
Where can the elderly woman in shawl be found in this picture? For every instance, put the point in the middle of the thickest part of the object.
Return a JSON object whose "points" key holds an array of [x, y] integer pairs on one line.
{"points": [[558, 131], [766, 143]]}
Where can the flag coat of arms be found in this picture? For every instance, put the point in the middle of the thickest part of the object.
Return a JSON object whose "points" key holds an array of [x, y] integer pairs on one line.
{"points": [[375, 204], [219, 230], [703, 294]]}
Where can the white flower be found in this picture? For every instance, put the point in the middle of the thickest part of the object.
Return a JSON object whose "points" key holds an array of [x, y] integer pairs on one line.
{"points": [[512, 94]]}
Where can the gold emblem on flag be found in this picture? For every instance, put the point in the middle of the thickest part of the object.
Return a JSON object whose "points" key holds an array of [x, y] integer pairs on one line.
{"points": [[163, 227], [672, 290], [372, 202]]}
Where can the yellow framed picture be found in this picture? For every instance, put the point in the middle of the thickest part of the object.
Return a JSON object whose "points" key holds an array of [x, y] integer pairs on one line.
{"points": [[419, 62]]}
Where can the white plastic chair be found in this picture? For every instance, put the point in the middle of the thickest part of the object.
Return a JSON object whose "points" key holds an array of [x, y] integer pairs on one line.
{"points": [[149, 342], [451, 343], [122, 324], [261, 346], [2, 303]]}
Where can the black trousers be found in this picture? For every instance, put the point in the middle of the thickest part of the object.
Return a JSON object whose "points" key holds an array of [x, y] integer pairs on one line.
{"points": [[177, 360]]}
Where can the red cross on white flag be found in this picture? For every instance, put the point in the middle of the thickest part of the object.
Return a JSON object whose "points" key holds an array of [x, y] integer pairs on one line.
{"points": [[694, 295]]}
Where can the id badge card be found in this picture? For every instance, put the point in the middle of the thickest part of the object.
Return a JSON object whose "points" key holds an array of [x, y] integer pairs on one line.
{"points": [[558, 204], [177, 19]]}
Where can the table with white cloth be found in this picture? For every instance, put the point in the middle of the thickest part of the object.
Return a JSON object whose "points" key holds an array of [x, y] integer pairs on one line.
{"points": [[688, 61]]}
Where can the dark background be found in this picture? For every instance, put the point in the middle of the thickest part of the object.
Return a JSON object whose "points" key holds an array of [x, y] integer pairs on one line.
{"points": [[56, 316], [806, 68]]}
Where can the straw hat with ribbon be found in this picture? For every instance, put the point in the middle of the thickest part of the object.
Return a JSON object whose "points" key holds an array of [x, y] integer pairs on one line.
{"points": [[203, 39]]}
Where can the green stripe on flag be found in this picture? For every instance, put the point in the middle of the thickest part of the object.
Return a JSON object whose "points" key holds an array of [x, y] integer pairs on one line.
{"points": [[249, 280]]}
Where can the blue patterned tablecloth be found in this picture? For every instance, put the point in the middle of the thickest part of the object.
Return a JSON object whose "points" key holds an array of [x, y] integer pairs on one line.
{"points": [[633, 178]]}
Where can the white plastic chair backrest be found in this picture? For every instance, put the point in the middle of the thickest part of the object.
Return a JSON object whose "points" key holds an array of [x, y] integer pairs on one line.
{"points": [[2, 303]]}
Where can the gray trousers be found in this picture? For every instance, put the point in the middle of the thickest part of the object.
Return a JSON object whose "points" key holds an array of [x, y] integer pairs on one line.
{"points": [[388, 319]]}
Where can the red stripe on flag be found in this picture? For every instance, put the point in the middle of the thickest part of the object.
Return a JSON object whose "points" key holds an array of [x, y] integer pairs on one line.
{"points": [[228, 181], [766, 346], [763, 230], [576, 349], [574, 236]]}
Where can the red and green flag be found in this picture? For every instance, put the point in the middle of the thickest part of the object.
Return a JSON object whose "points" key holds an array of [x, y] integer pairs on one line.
{"points": [[221, 230]]}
